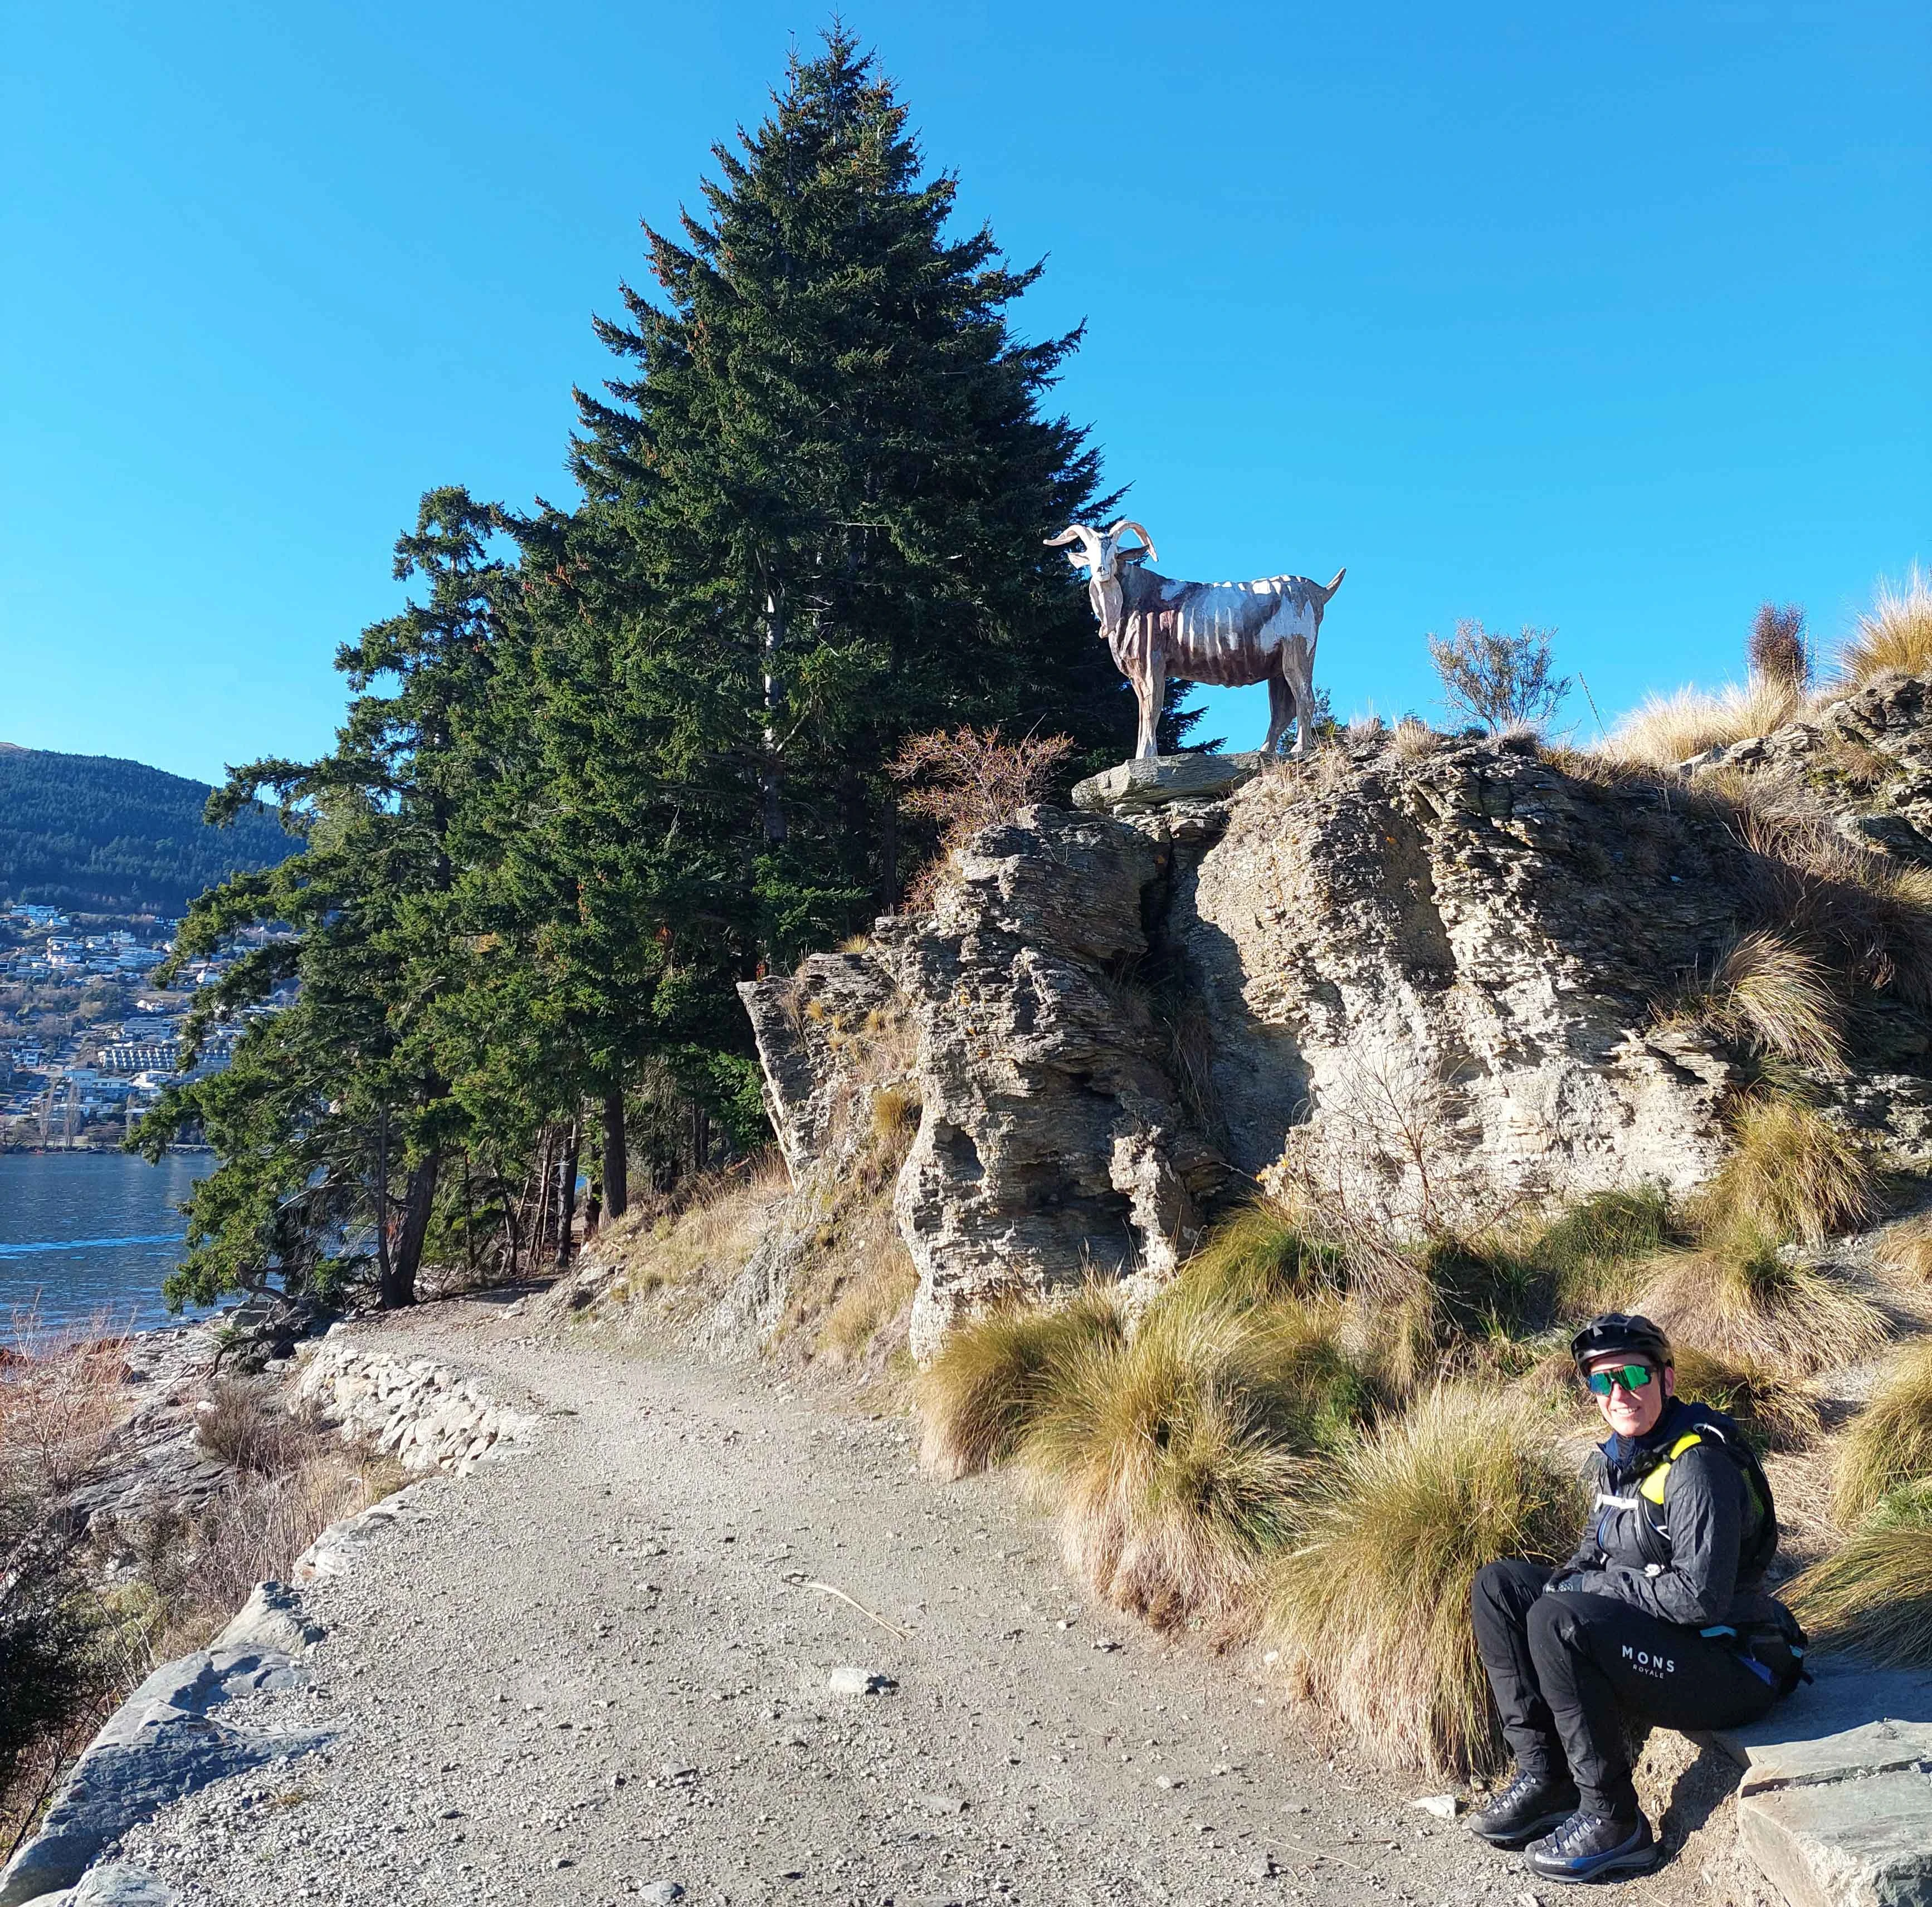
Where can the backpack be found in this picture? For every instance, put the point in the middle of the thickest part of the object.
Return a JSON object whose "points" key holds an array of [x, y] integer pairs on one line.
{"points": [[1759, 1543]]}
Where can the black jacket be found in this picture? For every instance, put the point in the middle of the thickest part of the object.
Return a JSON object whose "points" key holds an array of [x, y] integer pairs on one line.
{"points": [[1680, 1562]]}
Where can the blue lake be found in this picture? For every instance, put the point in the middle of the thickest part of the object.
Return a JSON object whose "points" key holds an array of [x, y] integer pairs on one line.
{"points": [[90, 1235]]}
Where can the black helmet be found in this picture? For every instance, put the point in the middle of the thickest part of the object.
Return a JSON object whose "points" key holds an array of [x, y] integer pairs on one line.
{"points": [[1616, 1332]]}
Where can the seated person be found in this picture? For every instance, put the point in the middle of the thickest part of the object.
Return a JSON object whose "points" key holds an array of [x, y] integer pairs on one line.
{"points": [[1660, 1617]]}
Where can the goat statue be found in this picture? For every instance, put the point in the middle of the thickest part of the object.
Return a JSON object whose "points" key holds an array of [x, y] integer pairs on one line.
{"points": [[1229, 634]]}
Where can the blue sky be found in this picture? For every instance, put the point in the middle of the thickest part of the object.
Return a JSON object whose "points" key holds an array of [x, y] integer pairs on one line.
{"points": [[1617, 324]]}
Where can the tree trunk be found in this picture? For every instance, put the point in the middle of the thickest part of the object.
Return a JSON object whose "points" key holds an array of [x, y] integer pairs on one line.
{"points": [[399, 1287], [566, 1193], [617, 1155], [386, 1263], [769, 779]]}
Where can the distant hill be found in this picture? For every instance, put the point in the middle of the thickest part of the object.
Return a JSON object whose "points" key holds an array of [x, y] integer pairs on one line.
{"points": [[104, 836]]}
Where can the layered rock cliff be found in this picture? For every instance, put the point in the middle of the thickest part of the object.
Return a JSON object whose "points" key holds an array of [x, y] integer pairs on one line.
{"points": [[1428, 979]]}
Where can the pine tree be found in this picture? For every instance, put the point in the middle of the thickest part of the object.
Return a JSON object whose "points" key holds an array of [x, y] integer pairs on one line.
{"points": [[335, 1118], [828, 456]]}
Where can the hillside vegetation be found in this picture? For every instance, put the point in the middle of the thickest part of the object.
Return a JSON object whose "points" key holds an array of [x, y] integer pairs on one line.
{"points": [[105, 836]]}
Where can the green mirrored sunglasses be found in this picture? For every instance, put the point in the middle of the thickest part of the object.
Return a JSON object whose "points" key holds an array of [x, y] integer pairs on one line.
{"points": [[1632, 1376]]}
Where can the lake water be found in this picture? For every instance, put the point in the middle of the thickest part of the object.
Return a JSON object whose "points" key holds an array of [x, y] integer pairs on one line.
{"points": [[90, 1234]]}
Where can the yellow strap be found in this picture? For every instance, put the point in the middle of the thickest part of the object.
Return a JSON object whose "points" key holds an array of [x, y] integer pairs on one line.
{"points": [[1652, 1486]]}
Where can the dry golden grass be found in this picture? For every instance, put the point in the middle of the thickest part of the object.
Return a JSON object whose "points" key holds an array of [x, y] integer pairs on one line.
{"points": [[61, 1401], [1890, 1442], [1173, 1459], [1264, 1251], [995, 1373], [1768, 996], [1764, 1398], [1895, 635], [1906, 1249], [1874, 1596], [706, 1237], [873, 1288], [1791, 1174], [1413, 740], [1664, 731], [1745, 1303], [1867, 917], [1370, 1608]]}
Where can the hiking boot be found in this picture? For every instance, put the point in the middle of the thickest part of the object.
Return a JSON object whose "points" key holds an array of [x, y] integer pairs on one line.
{"points": [[1593, 1847], [1530, 1805]]}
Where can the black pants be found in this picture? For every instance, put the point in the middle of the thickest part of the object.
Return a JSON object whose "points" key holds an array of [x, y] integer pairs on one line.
{"points": [[1568, 1669]]}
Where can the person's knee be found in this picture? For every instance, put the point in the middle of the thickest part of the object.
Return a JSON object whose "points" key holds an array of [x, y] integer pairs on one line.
{"points": [[1490, 1589], [1556, 1625]]}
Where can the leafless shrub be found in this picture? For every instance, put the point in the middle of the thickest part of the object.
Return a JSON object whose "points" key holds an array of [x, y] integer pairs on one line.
{"points": [[1778, 652], [966, 779], [242, 1423], [1498, 679]]}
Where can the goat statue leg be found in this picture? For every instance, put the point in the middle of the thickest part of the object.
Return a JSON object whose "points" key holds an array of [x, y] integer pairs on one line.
{"points": [[1152, 690], [1281, 711], [1299, 667]]}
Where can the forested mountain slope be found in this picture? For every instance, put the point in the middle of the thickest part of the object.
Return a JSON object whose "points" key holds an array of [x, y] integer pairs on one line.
{"points": [[91, 833]]}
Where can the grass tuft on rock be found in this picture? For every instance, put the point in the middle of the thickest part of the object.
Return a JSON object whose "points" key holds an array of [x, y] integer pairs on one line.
{"points": [[1262, 1253], [1663, 731], [995, 1373], [1791, 1174], [1769, 996], [1894, 635], [1874, 1596], [1370, 1608], [1890, 1442]]}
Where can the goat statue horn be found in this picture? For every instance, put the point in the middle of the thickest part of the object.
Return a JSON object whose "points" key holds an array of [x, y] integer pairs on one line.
{"points": [[1126, 524], [1073, 533]]}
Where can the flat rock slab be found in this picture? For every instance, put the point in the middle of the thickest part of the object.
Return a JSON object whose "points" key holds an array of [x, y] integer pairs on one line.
{"points": [[1836, 1801], [1135, 786], [159, 1745]]}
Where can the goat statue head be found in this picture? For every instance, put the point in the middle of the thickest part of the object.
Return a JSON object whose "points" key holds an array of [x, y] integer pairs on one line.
{"points": [[1099, 553]]}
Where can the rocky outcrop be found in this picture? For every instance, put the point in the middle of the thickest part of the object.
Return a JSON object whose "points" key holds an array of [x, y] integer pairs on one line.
{"points": [[425, 1415], [1421, 976], [1869, 756], [164, 1742]]}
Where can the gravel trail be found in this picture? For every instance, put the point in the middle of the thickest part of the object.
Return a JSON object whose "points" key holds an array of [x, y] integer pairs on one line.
{"points": [[598, 1670]]}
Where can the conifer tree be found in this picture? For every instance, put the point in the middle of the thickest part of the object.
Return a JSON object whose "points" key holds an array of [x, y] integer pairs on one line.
{"points": [[827, 454]]}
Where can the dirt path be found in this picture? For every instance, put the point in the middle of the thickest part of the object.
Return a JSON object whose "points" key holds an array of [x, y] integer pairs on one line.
{"points": [[598, 1666]]}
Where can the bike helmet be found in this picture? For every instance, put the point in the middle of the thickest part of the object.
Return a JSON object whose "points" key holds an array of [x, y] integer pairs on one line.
{"points": [[1617, 1333]]}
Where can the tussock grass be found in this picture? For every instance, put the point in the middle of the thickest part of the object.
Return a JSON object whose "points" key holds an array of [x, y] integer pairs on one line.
{"points": [[1370, 1607], [1174, 1457], [1907, 1248], [1413, 740], [1866, 916], [1791, 1175], [1874, 1596], [876, 1285], [1895, 635], [1748, 1302], [1890, 1442], [1769, 996], [994, 1374], [1769, 1403], [1664, 731], [1590, 1248], [706, 1235], [1264, 1252]]}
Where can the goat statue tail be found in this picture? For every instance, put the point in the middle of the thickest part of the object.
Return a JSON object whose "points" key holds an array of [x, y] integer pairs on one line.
{"points": [[1332, 587]]}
